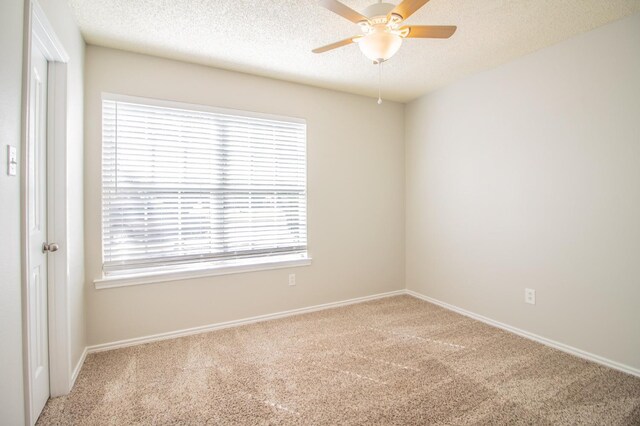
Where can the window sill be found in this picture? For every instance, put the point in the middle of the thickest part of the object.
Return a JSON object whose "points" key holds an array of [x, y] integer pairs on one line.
{"points": [[165, 276]]}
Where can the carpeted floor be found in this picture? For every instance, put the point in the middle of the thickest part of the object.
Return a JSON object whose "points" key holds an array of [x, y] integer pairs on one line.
{"points": [[397, 360]]}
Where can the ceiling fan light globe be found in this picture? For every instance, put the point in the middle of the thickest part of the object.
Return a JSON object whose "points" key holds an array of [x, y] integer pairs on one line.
{"points": [[380, 45]]}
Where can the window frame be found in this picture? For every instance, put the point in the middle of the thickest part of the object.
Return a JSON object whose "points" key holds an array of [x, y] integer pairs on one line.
{"points": [[204, 268]]}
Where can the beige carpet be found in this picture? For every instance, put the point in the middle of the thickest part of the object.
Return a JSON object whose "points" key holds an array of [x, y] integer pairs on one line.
{"points": [[397, 360]]}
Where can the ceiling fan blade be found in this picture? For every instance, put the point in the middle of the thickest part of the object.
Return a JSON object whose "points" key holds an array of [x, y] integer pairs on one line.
{"points": [[407, 8], [429, 31], [335, 45], [343, 10]]}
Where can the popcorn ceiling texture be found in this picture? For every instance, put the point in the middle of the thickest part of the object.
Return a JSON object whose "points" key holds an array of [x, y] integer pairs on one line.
{"points": [[274, 38], [397, 360]]}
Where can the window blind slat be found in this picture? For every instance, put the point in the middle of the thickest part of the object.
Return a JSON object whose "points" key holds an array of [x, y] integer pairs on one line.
{"points": [[187, 187]]}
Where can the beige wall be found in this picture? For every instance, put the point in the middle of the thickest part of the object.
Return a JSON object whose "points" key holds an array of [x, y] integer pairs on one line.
{"points": [[61, 18], [11, 390], [356, 194], [528, 176]]}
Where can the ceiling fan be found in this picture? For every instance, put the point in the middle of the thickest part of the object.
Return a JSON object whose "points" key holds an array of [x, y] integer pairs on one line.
{"points": [[382, 33]]}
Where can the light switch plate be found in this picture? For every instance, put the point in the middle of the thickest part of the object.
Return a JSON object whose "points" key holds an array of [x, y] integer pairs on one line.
{"points": [[12, 160]]}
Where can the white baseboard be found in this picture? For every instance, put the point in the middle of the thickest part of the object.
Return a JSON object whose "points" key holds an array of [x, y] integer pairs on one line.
{"points": [[548, 342], [78, 367], [235, 323]]}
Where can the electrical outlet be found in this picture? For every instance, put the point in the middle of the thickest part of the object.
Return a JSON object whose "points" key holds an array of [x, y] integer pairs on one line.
{"points": [[530, 296], [292, 279]]}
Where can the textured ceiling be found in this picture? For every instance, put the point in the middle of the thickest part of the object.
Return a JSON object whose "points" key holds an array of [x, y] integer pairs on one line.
{"points": [[274, 38]]}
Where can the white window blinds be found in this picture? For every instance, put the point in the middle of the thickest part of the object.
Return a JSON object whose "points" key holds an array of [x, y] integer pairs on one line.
{"points": [[188, 186]]}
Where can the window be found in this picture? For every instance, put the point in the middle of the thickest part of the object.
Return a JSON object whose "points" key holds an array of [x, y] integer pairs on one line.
{"points": [[188, 187]]}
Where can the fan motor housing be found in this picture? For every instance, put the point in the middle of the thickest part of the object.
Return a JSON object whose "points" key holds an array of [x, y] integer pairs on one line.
{"points": [[378, 10]]}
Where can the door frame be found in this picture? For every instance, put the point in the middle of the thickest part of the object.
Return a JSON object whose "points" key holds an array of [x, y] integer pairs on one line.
{"points": [[39, 32]]}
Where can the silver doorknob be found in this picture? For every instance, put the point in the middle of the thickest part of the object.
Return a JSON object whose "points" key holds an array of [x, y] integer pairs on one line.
{"points": [[50, 247]]}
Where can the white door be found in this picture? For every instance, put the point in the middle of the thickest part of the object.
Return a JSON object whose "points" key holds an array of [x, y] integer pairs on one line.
{"points": [[37, 227]]}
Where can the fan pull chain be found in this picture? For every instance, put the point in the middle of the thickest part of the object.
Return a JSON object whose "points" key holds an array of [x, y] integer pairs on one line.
{"points": [[380, 82]]}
